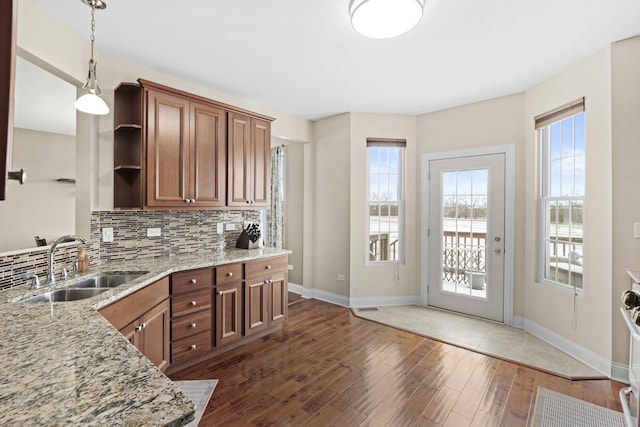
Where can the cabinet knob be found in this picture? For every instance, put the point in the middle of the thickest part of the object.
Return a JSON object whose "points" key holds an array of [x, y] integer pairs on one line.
{"points": [[268, 267], [193, 347], [193, 281], [230, 274], [192, 303], [192, 326], [138, 328], [144, 325], [220, 293]]}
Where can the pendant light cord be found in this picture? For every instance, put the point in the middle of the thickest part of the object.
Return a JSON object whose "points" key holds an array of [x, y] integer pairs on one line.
{"points": [[93, 27]]}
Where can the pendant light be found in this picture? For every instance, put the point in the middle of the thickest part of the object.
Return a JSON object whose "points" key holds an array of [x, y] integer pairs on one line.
{"points": [[91, 102], [382, 19]]}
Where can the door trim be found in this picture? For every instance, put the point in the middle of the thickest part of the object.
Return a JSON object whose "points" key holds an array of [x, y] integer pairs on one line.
{"points": [[509, 218]]}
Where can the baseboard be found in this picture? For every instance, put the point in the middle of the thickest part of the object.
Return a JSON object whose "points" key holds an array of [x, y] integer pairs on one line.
{"points": [[353, 302], [605, 366], [518, 322]]}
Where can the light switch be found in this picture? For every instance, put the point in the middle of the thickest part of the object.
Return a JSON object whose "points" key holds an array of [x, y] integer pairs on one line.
{"points": [[636, 230]]}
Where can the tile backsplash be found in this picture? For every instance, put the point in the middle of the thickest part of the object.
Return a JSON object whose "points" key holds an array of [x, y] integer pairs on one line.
{"points": [[182, 232]]}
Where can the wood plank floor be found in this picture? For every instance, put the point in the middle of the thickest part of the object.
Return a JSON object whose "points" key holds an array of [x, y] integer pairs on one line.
{"points": [[329, 368]]}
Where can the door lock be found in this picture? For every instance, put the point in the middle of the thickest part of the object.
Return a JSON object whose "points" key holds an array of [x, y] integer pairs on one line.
{"points": [[498, 251], [497, 238]]}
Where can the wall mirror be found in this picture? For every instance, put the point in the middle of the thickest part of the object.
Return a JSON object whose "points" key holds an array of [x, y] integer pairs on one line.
{"points": [[44, 145]]}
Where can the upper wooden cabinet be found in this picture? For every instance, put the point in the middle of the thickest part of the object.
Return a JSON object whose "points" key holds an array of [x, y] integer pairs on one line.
{"points": [[8, 13], [170, 150], [249, 161]]}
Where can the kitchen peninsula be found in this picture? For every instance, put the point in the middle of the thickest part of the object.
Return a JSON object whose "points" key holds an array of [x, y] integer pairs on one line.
{"points": [[64, 363]]}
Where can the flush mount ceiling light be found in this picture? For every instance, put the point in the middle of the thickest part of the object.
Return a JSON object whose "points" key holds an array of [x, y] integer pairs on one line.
{"points": [[91, 102], [382, 19]]}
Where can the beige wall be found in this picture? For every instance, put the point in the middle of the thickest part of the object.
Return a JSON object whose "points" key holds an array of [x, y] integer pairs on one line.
{"points": [[488, 123], [331, 194], [625, 109], [294, 208], [547, 306], [42, 206], [381, 279]]}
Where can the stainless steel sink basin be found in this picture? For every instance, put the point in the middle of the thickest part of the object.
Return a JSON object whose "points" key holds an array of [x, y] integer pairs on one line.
{"points": [[107, 280], [68, 294], [87, 288]]}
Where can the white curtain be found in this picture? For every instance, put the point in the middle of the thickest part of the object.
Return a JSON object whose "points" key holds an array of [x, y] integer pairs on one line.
{"points": [[274, 221]]}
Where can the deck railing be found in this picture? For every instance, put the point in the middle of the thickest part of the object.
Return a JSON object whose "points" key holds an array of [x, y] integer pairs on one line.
{"points": [[462, 251]]}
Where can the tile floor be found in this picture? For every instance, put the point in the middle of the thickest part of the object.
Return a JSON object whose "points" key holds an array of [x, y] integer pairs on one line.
{"points": [[493, 339]]}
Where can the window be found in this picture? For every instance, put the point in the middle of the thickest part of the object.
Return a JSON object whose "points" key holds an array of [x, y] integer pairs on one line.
{"points": [[561, 135], [386, 199]]}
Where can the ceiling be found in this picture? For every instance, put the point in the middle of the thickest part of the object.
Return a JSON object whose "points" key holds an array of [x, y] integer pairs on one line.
{"points": [[304, 58]]}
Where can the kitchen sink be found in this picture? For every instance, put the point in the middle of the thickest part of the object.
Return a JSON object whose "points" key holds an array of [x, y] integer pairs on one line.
{"points": [[67, 294], [108, 280], [87, 288]]}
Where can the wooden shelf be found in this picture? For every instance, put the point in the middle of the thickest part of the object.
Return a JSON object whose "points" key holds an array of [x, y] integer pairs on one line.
{"points": [[128, 127], [127, 168]]}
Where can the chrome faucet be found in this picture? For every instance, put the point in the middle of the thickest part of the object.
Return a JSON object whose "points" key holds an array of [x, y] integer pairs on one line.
{"points": [[51, 277]]}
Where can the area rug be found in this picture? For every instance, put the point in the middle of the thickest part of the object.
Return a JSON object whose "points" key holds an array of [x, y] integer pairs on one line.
{"points": [[558, 410], [200, 392]]}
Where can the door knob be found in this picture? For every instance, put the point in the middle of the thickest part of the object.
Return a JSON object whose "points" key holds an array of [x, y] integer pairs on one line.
{"points": [[20, 176]]}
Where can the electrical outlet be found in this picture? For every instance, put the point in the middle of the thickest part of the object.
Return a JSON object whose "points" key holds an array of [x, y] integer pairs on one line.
{"points": [[230, 226], [290, 267], [636, 230], [220, 228], [341, 277], [154, 232], [107, 235]]}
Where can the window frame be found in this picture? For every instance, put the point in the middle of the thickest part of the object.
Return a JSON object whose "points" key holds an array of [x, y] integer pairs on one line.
{"points": [[401, 145], [543, 126]]}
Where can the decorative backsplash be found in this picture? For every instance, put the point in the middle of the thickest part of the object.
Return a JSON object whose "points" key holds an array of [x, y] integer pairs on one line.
{"points": [[182, 232]]}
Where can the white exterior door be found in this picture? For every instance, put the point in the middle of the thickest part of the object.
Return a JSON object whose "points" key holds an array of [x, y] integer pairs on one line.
{"points": [[466, 235]]}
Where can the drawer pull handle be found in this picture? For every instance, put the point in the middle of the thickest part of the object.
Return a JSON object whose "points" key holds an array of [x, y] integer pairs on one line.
{"points": [[230, 274], [193, 347], [268, 267], [192, 326], [193, 303], [193, 281]]}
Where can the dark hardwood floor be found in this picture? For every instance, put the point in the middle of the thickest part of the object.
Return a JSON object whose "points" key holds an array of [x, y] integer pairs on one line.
{"points": [[329, 368]]}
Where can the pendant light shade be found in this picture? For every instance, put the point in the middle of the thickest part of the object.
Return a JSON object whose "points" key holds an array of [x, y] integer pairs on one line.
{"points": [[91, 102], [382, 19]]}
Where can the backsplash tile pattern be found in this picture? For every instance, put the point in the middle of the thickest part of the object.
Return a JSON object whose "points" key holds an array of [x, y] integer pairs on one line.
{"points": [[183, 232]]}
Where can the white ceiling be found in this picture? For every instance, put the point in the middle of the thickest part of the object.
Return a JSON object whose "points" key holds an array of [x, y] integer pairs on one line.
{"points": [[303, 57]]}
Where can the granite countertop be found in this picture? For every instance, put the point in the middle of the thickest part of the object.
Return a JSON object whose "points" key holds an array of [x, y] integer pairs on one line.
{"points": [[64, 364], [634, 273]]}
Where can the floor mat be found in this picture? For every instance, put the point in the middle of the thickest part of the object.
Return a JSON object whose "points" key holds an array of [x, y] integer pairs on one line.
{"points": [[200, 392], [554, 409]]}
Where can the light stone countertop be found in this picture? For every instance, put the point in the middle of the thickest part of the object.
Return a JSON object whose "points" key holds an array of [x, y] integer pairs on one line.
{"points": [[634, 273], [75, 368]]}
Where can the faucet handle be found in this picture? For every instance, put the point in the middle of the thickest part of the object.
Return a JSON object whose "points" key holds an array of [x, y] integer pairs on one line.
{"points": [[75, 268], [36, 281], [63, 274]]}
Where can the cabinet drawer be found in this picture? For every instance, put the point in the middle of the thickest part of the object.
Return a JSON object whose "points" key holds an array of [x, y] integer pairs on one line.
{"points": [[190, 303], [228, 274], [191, 347], [191, 324], [265, 267], [192, 280]]}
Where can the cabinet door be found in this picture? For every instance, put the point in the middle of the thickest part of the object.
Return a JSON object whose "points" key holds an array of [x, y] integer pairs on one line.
{"points": [[167, 150], [256, 306], [154, 335], [208, 155], [130, 334], [260, 162], [279, 300], [228, 313], [239, 164]]}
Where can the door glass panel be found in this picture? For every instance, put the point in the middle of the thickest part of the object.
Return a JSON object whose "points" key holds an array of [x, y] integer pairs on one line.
{"points": [[464, 228]]}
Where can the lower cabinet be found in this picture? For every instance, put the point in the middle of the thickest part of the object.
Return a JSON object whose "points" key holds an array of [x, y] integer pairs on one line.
{"points": [[228, 313], [265, 302], [143, 318]]}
